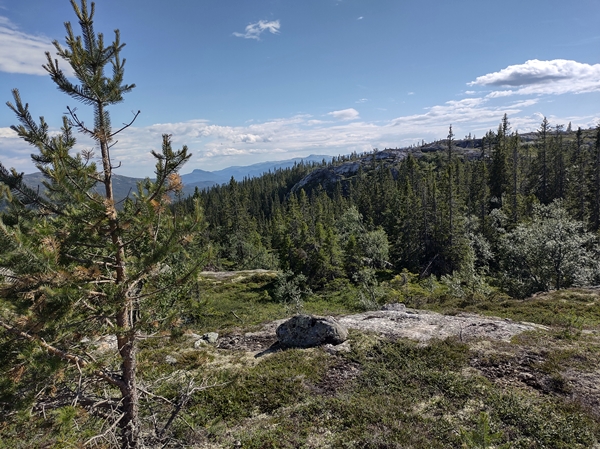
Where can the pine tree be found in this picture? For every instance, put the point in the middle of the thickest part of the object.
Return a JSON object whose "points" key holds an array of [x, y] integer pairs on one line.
{"points": [[594, 187], [543, 162], [451, 199], [499, 181], [580, 180], [82, 266]]}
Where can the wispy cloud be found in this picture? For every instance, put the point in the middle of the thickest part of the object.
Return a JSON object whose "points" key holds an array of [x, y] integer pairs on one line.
{"points": [[360, 18], [345, 114], [14, 151], [7, 133], [254, 30], [21, 52], [535, 77], [474, 111], [362, 100]]}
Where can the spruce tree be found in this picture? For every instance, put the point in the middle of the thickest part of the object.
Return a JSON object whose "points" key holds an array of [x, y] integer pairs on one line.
{"points": [[543, 191], [409, 229], [451, 199], [559, 171], [515, 144], [499, 176], [594, 183], [80, 265], [580, 172]]}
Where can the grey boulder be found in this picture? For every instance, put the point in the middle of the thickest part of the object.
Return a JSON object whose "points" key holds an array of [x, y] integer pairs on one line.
{"points": [[305, 331], [211, 337]]}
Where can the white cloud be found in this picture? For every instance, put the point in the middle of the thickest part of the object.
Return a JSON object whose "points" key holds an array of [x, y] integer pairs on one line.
{"points": [[8, 133], [466, 110], [501, 93], [534, 77], [254, 30], [362, 100], [360, 18], [230, 151], [524, 103], [21, 52], [14, 152], [345, 114]]}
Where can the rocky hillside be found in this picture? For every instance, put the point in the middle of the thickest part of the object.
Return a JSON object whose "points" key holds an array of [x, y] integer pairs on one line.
{"points": [[330, 175]]}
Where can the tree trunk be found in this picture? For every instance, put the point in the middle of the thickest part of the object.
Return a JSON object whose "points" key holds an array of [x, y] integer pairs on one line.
{"points": [[129, 424], [126, 339]]}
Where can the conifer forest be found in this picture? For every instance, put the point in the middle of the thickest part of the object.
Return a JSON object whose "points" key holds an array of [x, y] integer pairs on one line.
{"points": [[519, 213]]}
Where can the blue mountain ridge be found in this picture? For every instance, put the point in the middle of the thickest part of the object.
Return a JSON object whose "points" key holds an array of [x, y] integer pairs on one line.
{"points": [[124, 186], [203, 179]]}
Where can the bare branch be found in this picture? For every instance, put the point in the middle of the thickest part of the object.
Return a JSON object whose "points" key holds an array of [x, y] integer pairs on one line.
{"points": [[190, 390], [162, 398], [104, 434], [71, 358], [126, 125], [78, 123]]}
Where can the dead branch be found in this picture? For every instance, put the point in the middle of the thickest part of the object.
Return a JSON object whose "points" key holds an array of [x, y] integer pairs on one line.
{"points": [[191, 389], [105, 433], [71, 358], [126, 125]]}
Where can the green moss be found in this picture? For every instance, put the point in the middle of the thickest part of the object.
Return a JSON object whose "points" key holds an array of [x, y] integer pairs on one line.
{"points": [[280, 380]]}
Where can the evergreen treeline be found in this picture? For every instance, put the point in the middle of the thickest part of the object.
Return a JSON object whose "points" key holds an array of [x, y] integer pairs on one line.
{"points": [[444, 213]]}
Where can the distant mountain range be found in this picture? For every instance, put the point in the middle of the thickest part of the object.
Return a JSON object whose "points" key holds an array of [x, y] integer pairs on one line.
{"points": [[203, 179], [124, 185]]}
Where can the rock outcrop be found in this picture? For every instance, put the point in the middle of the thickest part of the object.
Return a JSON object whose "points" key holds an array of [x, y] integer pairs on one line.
{"points": [[305, 331], [396, 321], [328, 176]]}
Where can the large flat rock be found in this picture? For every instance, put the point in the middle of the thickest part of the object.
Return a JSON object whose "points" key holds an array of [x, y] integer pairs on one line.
{"points": [[422, 325]]}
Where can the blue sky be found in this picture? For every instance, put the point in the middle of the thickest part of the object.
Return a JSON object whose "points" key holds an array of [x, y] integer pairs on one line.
{"points": [[244, 81]]}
